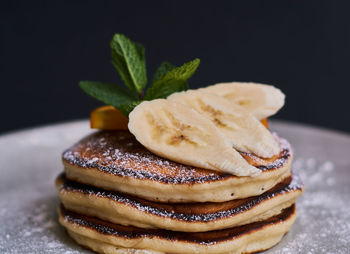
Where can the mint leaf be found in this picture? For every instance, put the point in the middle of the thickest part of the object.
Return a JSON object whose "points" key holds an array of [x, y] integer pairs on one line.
{"points": [[183, 72], [166, 88], [128, 107], [141, 52], [163, 68], [120, 65], [108, 93], [128, 58], [169, 79]]}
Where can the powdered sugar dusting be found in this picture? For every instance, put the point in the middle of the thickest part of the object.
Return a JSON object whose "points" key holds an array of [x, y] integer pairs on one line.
{"points": [[120, 154], [207, 238], [183, 212], [322, 224], [323, 212], [31, 224]]}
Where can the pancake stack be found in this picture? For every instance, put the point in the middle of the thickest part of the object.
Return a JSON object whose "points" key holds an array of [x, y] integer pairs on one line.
{"points": [[118, 197]]}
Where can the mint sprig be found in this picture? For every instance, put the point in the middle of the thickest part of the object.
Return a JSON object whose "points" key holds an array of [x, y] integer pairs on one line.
{"points": [[126, 108], [163, 68], [108, 93], [128, 58], [169, 79]]}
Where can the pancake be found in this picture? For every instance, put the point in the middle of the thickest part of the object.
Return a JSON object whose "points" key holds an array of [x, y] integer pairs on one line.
{"points": [[126, 210], [102, 247], [114, 160], [257, 236]]}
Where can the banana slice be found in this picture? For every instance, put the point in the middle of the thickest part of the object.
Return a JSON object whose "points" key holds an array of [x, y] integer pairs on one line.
{"points": [[260, 100], [243, 130], [179, 133]]}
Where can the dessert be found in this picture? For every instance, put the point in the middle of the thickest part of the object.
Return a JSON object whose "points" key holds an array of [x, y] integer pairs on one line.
{"points": [[124, 209], [181, 171], [116, 161], [106, 237]]}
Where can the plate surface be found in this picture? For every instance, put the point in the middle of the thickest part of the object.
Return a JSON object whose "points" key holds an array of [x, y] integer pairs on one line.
{"points": [[30, 161]]}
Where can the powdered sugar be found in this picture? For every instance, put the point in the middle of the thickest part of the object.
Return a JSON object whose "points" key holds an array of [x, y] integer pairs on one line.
{"points": [[120, 154], [211, 237], [323, 212], [32, 223], [180, 211], [322, 224]]}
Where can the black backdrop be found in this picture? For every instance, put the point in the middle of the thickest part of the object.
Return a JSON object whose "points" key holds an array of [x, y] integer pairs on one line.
{"points": [[302, 47]]}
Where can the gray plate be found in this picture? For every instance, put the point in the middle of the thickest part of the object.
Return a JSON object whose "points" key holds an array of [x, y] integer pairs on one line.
{"points": [[30, 160]]}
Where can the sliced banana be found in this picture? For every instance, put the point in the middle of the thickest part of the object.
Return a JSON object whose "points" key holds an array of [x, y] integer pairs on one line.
{"points": [[243, 130], [179, 133], [260, 100]]}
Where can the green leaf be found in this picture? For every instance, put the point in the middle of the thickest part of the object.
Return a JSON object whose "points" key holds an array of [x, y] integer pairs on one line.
{"points": [[140, 51], [170, 87], [169, 79], [163, 68], [122, 69], [128, 58], [108, 93], [128, 107]]}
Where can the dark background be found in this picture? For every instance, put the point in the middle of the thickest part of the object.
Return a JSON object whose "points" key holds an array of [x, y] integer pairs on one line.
{"points": [[302, 47]]}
